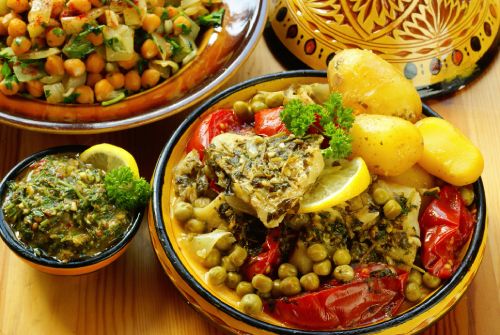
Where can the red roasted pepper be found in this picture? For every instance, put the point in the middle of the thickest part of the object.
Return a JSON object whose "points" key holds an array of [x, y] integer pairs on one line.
{"points": [[266, 261], [445, 225], [268, 122], [376, 293]]}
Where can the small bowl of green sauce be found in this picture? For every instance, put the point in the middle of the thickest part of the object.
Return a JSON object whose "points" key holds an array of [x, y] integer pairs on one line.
{"points": [[57, 215]]}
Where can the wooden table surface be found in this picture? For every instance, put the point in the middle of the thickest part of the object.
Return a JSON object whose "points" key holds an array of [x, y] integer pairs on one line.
{"points": [[134, 296]]}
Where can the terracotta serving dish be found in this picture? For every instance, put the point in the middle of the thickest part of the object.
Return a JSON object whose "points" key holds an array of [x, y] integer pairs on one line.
{"points": [[222, 50], [220, 303]]}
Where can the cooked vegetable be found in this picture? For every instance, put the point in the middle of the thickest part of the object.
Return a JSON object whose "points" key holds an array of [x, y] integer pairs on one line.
{"points": [[448, 154], [212, 19], [388, 144], [371, 85], [126, 190]]}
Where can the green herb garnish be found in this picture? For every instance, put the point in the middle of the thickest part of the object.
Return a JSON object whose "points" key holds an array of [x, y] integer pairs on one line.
{"points": [[125, 190], [332, 120], [70, 99], [79, 46], [115, 44], [212, 19]]}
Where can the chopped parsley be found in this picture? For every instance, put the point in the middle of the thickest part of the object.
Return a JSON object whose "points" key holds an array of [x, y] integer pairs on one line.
{"points": [[212, 19], [8, 76], [79, 46], [125, 190], [58, 31], [70, 99], [115, 44], [185, 29], [332, 120]]}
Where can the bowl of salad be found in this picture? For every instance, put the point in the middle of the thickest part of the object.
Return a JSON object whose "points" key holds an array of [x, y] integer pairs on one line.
{"points": [[72, 210], [91, 66], [279, 206]]}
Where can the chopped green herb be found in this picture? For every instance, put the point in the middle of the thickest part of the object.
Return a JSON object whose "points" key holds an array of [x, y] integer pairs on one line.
{"points": [[125, 190], [175, 46], [212, 19], [115, 44], [119, 97], [164, 15], [70, 99], [79, 46], [58, 31], [6, 71], [142, 65], [47, 93], [185, 29]]}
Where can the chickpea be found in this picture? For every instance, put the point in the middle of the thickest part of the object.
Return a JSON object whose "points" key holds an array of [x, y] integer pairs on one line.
{"points": [[181, 25], [213, 258], [257, 106], [103, 90], [392, 209], [183, 211], [117, 79], [233, 279], [150, 78], [95, 63], [133, 83], [95, 39], [310, 281], [128, 64], [20, 45], [18, 6], [54, 65], [415, 277], [150, 22], [9, 87], [35, 88], [274, 99], [290, 286], [38, 43], [466, 193], [17, 27], [7, 18], [149, 49], [251, 303], [172, 11], [323, 268], [97, 3], [216, 275], [262, 283], [93, 78], [195, 226], [85, 94], [412, 292], [74, 67], [9, 40], [380, 196], [242, 110], [343, 273], [81, 6], [287, 270], [200, 202], [243, 288], [57, 7], [3, 30], [238, 255], [317, 252], [341, 257], [55, 37], [110, 67], [431, 281]]}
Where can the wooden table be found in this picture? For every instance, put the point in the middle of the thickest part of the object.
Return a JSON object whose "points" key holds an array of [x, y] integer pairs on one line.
{"points": [[134, 296]]}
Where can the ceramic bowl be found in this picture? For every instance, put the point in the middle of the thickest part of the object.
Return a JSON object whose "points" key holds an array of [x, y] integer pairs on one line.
{"points": [[220, 307], [48, 264], [222, 51], [439, 45]]}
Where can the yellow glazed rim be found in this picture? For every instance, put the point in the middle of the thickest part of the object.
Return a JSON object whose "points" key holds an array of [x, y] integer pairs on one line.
{"points": [[216, 308]]}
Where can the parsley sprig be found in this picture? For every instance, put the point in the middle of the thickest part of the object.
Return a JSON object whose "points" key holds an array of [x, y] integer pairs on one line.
{"points": [[125, 190], [332, 120]]}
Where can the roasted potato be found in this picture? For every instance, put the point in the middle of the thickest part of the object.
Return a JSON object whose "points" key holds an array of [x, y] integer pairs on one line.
{"points": [[371, 85], [388, 144]]}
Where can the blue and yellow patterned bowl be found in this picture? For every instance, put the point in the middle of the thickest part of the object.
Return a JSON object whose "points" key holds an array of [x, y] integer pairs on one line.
{"points": [[220, 304]]}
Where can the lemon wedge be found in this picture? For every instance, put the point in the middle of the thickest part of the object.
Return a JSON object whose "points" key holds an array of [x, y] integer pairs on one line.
{"points": [[108, 157], [336, 184]]}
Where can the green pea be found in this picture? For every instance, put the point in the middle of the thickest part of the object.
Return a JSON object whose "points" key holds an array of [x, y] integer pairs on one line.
{"points": [[344, 273], [287, 270], [201, 202], [227, 264], [415, 277], [317, 252], [431, 281], [274, 99], [323, 268], [380, 196], [238, 255], [251, 303], [290, 286], [242, 110], [213, 258], [392, 209], [412, 292], [342, 257], [243, 288], [217, 275], [233, 279], [183, 211], [195, 226], [262, 283], [257, 106], [310, 281], [467, 195], [275, 291], [259, 97]]}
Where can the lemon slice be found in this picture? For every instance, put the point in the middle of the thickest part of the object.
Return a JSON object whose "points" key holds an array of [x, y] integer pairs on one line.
{"points": [[336, 184], [108, 157]]}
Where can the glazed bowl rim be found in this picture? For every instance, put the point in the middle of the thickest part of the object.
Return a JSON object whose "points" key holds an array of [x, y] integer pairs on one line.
{"points": [[21, 250], [159, 225]]}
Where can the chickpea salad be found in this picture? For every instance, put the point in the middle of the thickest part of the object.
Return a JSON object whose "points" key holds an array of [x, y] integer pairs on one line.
{"points": [[88, 51], [240, 200]]}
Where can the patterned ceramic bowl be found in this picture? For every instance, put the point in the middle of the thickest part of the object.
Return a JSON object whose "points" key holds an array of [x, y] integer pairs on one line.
{"points": [[48, 264], [439, 45], [222, 50], [220, 306]]}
